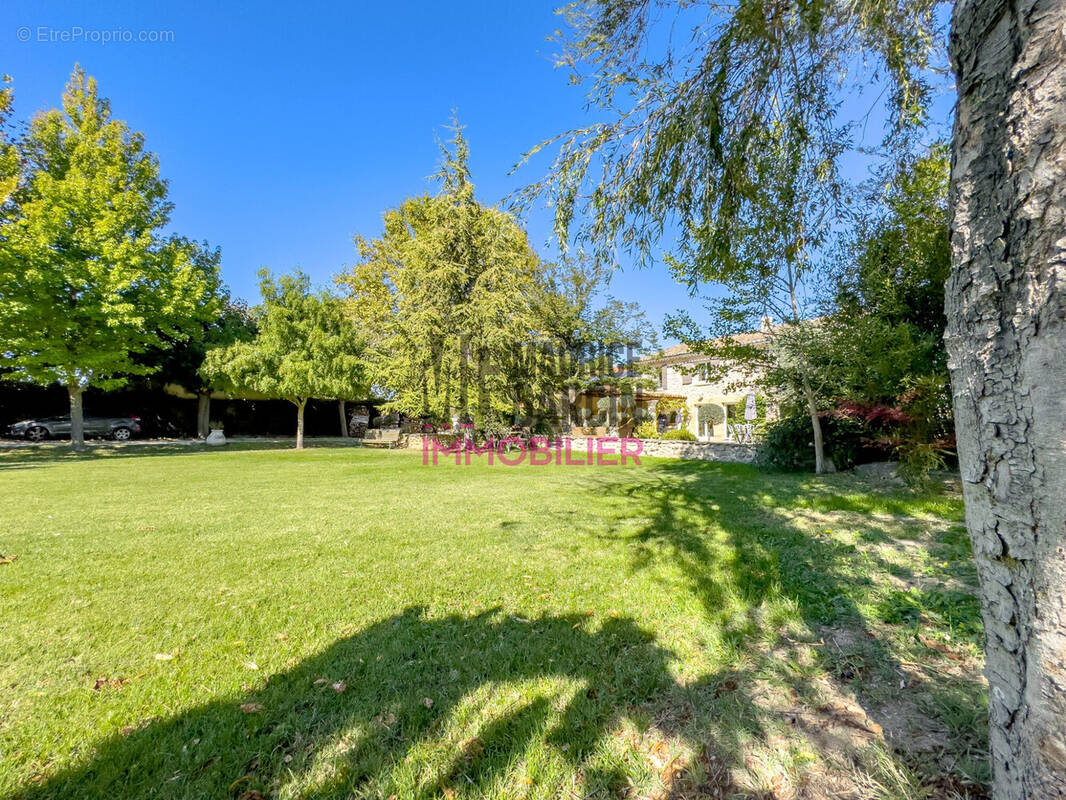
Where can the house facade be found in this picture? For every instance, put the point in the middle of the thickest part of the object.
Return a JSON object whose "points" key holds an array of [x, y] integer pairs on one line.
{"points": [[703, 381]]}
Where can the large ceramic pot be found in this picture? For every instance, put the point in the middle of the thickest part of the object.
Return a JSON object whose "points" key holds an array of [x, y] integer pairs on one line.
{"points": [[216, 437]]}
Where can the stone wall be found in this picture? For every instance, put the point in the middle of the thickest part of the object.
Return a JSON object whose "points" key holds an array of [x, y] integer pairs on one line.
{"points": [[655, 448], [702, 451]]}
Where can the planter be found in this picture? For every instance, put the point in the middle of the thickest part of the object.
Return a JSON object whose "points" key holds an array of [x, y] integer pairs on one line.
{"points": [[216, 437], [590, 431]]}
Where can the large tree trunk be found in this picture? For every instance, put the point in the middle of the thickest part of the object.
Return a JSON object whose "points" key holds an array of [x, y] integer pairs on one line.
{"points": [[203, 414], [1006, 339], [77, 418], [300, 406]]}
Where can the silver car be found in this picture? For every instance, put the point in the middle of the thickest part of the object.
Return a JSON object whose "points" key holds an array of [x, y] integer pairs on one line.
{"points": [[38, 429]]}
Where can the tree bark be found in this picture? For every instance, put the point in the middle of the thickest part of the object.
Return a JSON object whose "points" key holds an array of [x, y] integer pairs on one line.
{"points": [[77, 418], [300, 405], [203, 414], [1006, 341], [344, 418]]}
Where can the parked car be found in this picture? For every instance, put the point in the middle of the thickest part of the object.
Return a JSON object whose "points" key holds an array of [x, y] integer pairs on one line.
{"points": [[38, 429]]}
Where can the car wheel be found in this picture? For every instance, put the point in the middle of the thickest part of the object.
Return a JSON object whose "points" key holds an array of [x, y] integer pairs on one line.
{"points": [[37, 433], [121, 434]]}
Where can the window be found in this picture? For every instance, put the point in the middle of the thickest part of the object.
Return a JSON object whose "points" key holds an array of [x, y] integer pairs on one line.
{"points": [[686, 378]]}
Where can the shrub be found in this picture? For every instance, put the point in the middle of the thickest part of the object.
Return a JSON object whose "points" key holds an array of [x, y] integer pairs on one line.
{"points": [[789, 443], [647, 430], [918, 460], [683, 435], [710, 415], [494, 428]]}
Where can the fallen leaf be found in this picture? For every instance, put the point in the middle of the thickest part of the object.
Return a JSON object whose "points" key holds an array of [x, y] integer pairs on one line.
{"points": [[321, 682], [164, 656], [427, 702], [251, 665], [282, 637], [339, 687], [724, 687], [7, 559], [113, 683], [252, 708]]}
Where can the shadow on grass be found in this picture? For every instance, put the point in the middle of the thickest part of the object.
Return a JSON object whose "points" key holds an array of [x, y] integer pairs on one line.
{"points": [[742, 543], [410, 681], [564, 705]]}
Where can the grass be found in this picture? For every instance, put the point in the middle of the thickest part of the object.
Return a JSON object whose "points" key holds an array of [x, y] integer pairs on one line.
{"points": [[343, 622]]}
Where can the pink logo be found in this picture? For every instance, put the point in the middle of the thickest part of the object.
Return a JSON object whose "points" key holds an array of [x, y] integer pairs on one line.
{"points": [[540, 451]]}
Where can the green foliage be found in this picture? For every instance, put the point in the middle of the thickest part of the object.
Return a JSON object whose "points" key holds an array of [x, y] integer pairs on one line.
{"points": [[890, 290], [88, 282], [917, 462], [899, 255], [719, 123], [591, 334], [683, 434], [787, 444], [181, 362], [671, 405], [305, 347], [710, 414], [448, 296], [885, 342], [9, 150], [647, 430], [495, 428], [722, 121]]}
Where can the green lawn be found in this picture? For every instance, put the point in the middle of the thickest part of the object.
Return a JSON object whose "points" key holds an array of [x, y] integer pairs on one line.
{"points": [[343, 622]]}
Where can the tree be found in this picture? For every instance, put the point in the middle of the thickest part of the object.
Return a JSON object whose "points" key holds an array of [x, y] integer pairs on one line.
{"points": [[88, 280], [683, 148], [885, 330], [180, 362], [306, 347], [9, 151], [1006, 325], [888, 317], [446, 295], [591, 334]]}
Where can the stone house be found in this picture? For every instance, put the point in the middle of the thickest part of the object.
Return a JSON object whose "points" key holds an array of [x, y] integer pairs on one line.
{"points": [[698, 379]]}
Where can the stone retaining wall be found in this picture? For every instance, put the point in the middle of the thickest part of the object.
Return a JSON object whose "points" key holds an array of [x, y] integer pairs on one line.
{"points": [[702, 451], [656, 448]]}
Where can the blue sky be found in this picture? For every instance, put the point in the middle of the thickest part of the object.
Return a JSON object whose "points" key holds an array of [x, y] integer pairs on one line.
{"points": [[286, 129]]}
